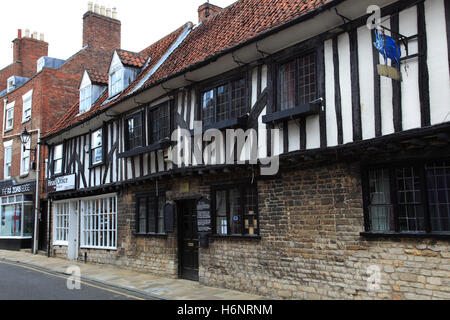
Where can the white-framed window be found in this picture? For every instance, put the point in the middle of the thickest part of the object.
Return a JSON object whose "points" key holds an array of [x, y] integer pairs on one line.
{"points": [[27, 103], [99, 222], [61, 212], [25, 159], [58, 159], [8, 159], [11, 84], [40, 64], [9, 116], [97, 147], [85, 99], [116, 82]]}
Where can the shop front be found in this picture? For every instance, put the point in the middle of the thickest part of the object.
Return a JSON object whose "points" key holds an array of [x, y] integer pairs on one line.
{"points": [[17, 215]]}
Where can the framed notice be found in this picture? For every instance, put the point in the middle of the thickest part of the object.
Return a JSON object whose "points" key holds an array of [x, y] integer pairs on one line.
{"points": [[204, 215]]}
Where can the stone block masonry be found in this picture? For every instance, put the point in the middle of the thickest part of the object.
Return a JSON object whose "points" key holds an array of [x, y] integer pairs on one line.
{"points": [[310, 246]]}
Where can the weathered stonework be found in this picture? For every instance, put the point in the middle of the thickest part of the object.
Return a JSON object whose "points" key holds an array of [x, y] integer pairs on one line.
{"points": [[310, 246]]}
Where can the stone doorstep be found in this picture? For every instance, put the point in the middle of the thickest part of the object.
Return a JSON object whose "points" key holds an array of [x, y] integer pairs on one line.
{"points": [[226, 292]]}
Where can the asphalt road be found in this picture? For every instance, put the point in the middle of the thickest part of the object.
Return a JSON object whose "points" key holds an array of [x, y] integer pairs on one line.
{"points": [[22, 282]]}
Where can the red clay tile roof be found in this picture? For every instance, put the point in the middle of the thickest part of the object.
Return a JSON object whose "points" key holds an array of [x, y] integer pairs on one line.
{"points": [[97, 77], [234, 25], [132, 59], [155, 51]]}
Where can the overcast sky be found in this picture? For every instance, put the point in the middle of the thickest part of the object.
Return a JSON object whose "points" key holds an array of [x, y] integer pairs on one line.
{"points": [[143, 22]]}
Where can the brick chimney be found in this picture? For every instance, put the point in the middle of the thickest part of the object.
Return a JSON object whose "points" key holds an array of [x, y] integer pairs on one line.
{"points": [[26, 52], [101, 31], [206, 10]]}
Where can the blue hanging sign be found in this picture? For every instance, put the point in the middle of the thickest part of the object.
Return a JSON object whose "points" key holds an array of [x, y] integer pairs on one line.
{"points": [[389, 49]]}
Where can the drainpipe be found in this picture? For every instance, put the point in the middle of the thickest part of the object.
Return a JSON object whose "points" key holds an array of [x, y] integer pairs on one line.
{"points": [[49, 223], [36, 205]]}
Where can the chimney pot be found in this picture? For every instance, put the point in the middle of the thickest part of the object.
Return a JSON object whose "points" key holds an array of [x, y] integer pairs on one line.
{"points": [[90, 5], [27, 33], [96, 8], [19, 33], [108, 12], [206, 10], [41, 37], [102, 10], [35, 35], [114, 13]]}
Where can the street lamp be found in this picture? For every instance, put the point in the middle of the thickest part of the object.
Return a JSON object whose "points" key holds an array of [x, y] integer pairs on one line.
{"points": [[25, 138]]}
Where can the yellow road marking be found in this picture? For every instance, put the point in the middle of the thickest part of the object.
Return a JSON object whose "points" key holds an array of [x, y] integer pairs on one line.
{"points": [[67, 276]]}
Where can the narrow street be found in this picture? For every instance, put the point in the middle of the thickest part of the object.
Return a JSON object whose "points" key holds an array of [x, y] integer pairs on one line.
{"points": [[21, 282]]}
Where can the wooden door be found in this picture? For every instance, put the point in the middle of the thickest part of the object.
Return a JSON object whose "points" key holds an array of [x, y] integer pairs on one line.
{"points": [[188, 240]]}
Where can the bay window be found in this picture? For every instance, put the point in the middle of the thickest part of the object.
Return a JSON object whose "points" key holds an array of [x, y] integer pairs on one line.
{"points": [[224, 102], [406, 198], [235, 210], [150, 213]]}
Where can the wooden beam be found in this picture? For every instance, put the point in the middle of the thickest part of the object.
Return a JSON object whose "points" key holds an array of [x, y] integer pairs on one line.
{"points": [[356, 99], [424, 86], [396, 85], [337, 91], [322, 94], [377, 89]]}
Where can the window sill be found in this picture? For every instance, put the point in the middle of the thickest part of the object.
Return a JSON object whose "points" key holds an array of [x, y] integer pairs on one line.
{"points": [[24, 175], [240, 122], [151, 235], [235, 237], [8, 130], [302, 111], [395, 235], [26, 120], [140, 150]]}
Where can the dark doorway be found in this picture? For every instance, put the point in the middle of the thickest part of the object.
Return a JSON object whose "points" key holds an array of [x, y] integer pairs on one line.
{"points": [[42, 239], [188, 243]]}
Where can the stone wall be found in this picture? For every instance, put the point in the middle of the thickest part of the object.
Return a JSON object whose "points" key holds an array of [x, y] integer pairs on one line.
{"points": [[310, 246]]}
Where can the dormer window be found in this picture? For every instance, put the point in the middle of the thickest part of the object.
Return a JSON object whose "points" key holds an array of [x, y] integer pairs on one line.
{"points": [[85, 99], [116, 82], [11, 84]]}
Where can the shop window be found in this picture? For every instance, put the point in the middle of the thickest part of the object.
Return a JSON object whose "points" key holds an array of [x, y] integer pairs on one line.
{"points": [[16, 217], [409, 198], [236, 210], [150, 214], [99, 223], [225, 102]]}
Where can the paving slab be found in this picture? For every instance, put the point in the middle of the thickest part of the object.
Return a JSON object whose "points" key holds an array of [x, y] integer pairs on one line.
{"points": [[154, 286]]}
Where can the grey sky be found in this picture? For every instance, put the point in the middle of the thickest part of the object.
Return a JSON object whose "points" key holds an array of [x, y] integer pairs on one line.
{"points": [[143, 22]]}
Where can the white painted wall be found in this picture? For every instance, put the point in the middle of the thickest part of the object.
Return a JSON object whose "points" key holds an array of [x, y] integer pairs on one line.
{"points": [[438, 61], [330, 109], [346, 87]]}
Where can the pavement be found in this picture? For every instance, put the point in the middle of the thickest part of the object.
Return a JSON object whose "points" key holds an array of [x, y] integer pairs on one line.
{"points": [[142, 283]]}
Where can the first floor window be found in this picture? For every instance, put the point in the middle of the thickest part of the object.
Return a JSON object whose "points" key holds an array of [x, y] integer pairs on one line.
{"points": [[8, 161], [16, 216], [97, 147], [297, 82], [25, 159], [61, 222], [150, 213], [116, 82], [224, 102], [236, 210], [159, 123], [409, 198], [99, 223], [134, 131], [58, 159]]}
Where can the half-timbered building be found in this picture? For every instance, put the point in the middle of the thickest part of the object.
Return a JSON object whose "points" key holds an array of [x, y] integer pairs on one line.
{"points": [[359, 206]]}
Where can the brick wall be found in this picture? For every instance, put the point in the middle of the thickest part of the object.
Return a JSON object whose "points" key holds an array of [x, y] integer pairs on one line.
{"points": [[310, 245], [101, 32]]}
